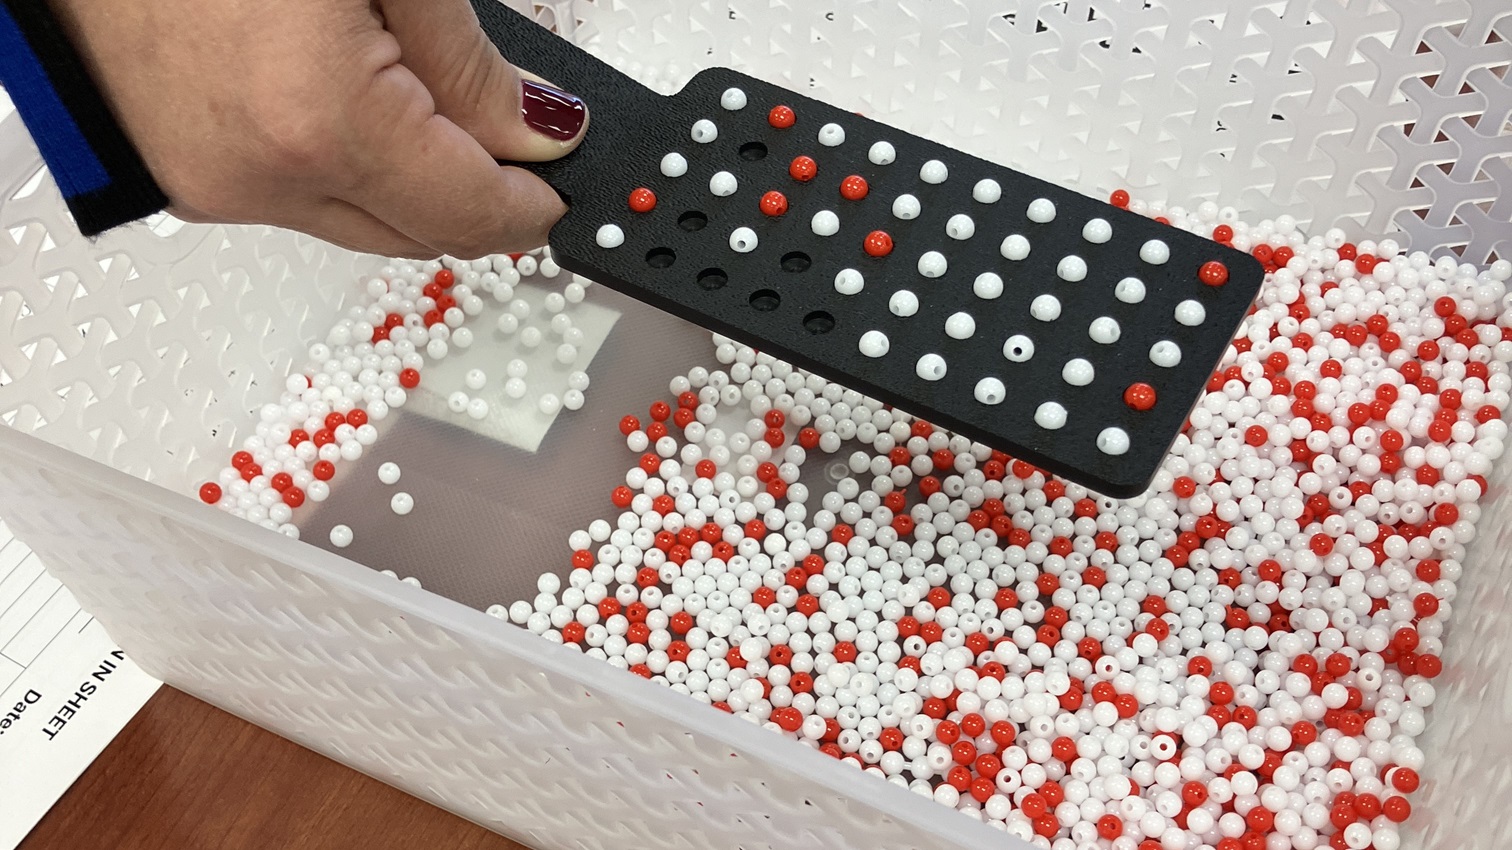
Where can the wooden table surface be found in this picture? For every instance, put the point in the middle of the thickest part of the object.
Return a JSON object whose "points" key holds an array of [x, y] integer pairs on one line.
{"points": [[184, 774]]}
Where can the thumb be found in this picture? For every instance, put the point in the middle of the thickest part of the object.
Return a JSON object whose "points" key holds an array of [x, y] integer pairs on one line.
{"points": [[513, 115]]}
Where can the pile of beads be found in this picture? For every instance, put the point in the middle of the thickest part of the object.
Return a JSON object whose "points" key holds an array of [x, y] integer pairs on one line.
{"points": [[371, 359], [1239, 659]]}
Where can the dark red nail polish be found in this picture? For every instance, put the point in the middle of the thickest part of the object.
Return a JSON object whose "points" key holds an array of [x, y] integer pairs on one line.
{"points": [[552, 112]]}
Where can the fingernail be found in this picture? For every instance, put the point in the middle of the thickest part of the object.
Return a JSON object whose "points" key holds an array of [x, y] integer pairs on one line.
{"points": [[552, 112]]}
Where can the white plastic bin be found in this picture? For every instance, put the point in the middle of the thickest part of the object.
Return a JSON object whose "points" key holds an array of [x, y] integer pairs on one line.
{"points": [[129, 367]]}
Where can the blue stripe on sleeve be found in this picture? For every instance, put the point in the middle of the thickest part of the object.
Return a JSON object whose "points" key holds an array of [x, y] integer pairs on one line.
{"points": [[73, 162]]}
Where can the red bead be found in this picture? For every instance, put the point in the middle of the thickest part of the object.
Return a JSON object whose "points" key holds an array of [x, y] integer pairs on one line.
{"points": [[210, 492], [281, 481], [1396, 808], [878, 243], [1140, 396], [1110, 827], [853, 188], [323, 470], [294, 497], [803, 169], [409, 378], [1404, 779], [642, 200], [1223, 233], [774, 203], [1283, 255], [622, 496], [446, 278], [1428, 350], [1213, 273], [782, 117], [1119, 198], [241, 459], [357, 418]]}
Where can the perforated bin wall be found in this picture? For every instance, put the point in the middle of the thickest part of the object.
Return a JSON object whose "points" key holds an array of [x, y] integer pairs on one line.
{"points": [[138, 358]]}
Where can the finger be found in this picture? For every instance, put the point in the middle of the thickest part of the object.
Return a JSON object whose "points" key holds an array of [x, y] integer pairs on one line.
{"points": [[426, 177], [514, 116], [354, 229]]}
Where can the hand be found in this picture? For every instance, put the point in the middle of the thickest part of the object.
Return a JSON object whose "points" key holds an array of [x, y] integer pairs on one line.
{"points": [[373, 124]]}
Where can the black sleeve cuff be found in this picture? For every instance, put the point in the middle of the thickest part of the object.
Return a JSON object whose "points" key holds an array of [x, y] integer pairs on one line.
{"points": [[99, 172]]}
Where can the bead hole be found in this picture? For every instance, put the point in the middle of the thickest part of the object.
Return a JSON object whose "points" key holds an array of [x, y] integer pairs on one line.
{"points": [[712, 279], [765, 300], [660, 258], [753, 151], [819, 322], [796, 261], [692, 220]]}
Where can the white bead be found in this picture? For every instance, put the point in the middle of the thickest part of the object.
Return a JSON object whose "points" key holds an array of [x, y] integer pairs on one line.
{"points": [[1190, 313], [743, 240], [388, 472], [1097, 231], [931, 367], [1104, 330], [960, 226], [986, 191], [906, 207], [578, 381], [531, 336], [1050, 416], [1071, 268], [987, 286], [1041, 211], [402, 503], [462, 338], [831, 135], [674, 165], [825, 223], [932, 264], [1018, 348], [733, 99], [341, 536], [990, 390], [903, 303], [960, 325], [549, 404], [1165, 353], [874, 344], [508, 323], [1154, 252], [457, 402], [1077, 372], [849, 282], [477, 408], [475, 379], [1113, 441], [1014, 247], [1046, 308], [610, 236], [516, 368], [934, 172], [723, 184], [882, 153], [515, 388], [566, 354], [1130, 290], [573, 400], [704, 131]]}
